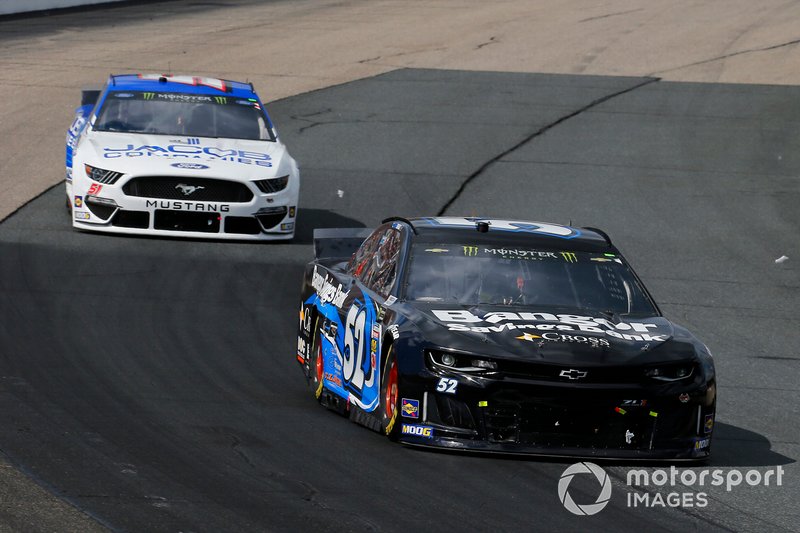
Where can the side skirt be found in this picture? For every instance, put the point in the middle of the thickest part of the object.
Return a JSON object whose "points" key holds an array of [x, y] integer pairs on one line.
{"points": [[363, 418]]}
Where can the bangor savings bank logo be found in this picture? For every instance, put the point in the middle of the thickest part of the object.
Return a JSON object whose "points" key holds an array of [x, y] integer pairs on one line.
{"points": [[586, 509]]}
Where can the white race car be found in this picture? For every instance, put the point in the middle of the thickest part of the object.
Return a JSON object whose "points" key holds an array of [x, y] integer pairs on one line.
{"points": [[179, 156]]}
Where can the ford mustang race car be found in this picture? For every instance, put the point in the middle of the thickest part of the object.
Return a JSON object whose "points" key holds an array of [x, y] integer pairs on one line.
{"points": [[179, 156], [500, 336]]}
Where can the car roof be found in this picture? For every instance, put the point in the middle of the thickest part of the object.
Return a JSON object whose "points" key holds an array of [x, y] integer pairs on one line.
{"points": [[508, 232], [180, 84]]}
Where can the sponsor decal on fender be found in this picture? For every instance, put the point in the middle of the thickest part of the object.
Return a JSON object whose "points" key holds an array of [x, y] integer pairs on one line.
{"points": [[333, 378], [708, 426], [326, 291], [410, 408]]}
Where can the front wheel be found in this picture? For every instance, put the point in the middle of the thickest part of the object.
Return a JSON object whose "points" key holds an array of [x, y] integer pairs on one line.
{"points": [[390, 396]]}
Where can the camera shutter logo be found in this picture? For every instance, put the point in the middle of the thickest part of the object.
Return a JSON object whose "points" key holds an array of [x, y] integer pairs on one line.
{"points": [[591, 508]]}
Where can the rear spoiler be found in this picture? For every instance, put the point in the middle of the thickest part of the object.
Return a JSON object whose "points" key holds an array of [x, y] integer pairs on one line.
{"points": [[332, 243], [89, 95]]}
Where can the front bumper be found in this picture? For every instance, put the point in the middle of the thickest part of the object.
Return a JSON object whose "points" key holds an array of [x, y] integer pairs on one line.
{"points": [[555, 419], [107, 208]]}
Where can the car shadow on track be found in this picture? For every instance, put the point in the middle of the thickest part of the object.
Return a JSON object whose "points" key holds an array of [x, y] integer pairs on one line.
{"points": [[738, 447], [732, 447], [310, 219]]}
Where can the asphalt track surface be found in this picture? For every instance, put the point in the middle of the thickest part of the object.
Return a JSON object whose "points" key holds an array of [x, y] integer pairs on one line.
{"points": [[152, 382]]}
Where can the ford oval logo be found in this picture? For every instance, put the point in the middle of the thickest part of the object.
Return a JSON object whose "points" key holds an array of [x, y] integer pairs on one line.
{"points": [[192, 166]]}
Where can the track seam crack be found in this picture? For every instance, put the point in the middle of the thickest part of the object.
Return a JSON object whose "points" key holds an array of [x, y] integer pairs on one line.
{"points": [[541, 131], [726, 56], [616, 14]]}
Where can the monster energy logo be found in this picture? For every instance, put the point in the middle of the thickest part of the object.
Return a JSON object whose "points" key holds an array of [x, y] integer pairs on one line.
{"points": [[470, 250], [220, 100], [569, 257], [148, 96]]}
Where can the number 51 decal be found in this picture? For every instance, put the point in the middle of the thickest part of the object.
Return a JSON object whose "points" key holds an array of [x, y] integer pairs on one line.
{"points": [[359, 367]]}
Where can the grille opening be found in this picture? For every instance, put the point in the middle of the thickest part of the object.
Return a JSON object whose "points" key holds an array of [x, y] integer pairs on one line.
{"points": [[103, 211], [552, 372], [271, 218], [501, 423], [131, 219], [189, 189], [452, 412], [560, 422], [183, 221], [245, 225]]}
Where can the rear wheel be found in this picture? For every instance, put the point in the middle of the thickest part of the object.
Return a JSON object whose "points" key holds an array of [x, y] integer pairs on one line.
{"points": [[390, 396], [316, 366]]}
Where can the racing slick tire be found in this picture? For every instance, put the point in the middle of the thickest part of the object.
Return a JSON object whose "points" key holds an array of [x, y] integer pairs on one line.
{"points": [[316, 366], [390, 396]]}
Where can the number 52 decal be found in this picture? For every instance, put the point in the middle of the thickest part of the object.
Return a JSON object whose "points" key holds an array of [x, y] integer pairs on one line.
{"points": [[447, 385]]}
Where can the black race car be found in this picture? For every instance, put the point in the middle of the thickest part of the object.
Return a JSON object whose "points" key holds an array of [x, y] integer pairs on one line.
{"points": [[500, 336]]}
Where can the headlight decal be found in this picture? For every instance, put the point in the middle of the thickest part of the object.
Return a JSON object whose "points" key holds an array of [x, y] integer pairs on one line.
{"points": [[101, 175]]}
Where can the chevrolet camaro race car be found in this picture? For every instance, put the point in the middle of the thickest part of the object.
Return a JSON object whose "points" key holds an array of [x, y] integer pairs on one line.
{"points": [[179, 156], [500, 336]]}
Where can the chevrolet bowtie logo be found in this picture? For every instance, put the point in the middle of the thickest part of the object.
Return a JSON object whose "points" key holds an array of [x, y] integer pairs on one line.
{"points": [[188, 189], [528, 337], [573, 374]]}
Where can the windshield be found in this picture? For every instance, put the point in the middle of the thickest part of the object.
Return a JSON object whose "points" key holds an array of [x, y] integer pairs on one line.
{"points": [[472, 275], [192, 115]]}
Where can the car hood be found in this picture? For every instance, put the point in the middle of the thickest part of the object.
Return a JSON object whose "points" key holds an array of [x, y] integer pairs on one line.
{"points": [[557, 336], [176, 155]]}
